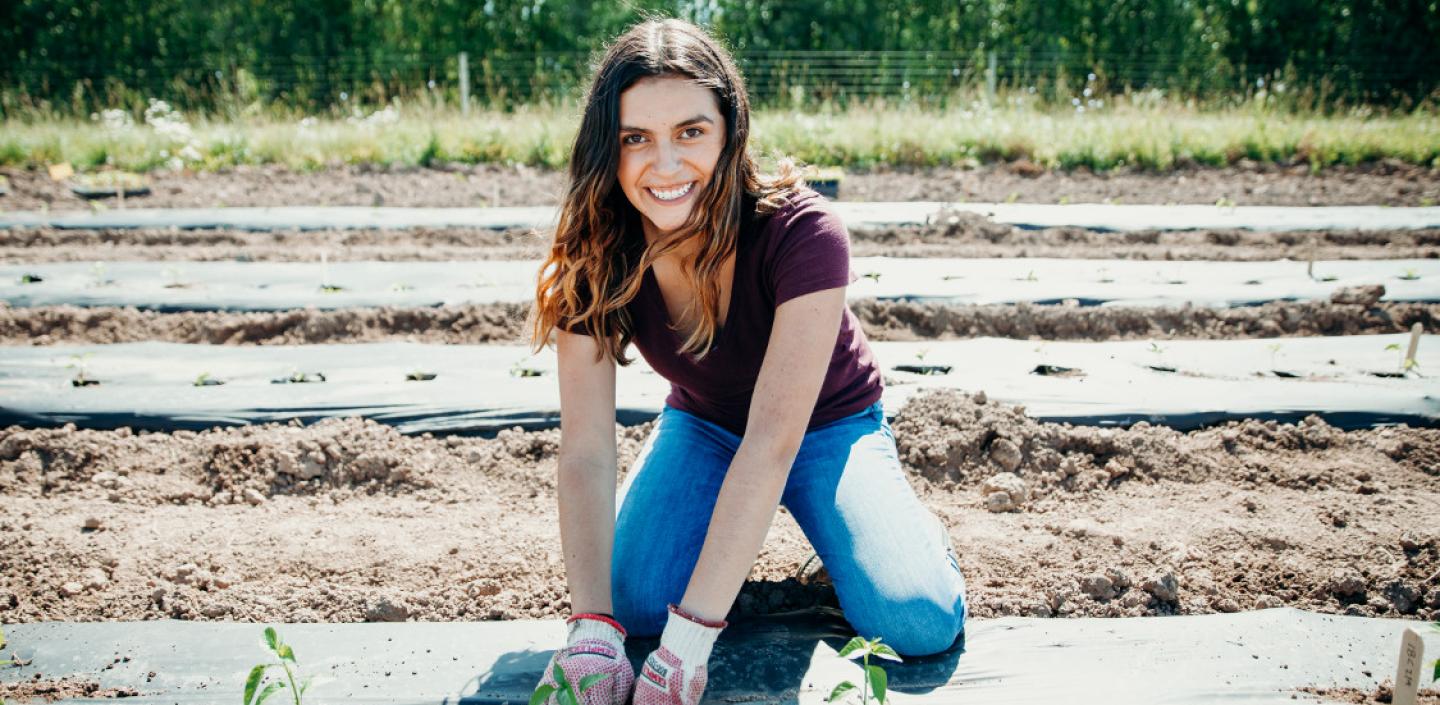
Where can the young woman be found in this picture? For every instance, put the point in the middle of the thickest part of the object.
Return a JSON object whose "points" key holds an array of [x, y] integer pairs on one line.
{"points": [[732, 287]]}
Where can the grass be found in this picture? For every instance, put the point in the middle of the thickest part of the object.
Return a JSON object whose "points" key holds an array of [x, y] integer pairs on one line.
{"points": [[1138, 130]]}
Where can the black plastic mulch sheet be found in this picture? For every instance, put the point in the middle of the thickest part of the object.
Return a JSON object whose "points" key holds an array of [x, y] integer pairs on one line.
{"points": [[1349, 381], [268, 286], [1092, 216], [1257, 657]]}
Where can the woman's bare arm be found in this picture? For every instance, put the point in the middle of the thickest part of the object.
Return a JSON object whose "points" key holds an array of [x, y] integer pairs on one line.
{"points": [[802, 341], [587, 471]]}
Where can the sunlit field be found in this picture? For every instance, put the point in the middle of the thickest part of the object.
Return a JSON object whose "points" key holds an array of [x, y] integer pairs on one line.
{"points": [[1139, 130]]}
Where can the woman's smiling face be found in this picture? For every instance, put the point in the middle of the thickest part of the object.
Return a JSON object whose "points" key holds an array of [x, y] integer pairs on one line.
{"points": [[671, 136]]}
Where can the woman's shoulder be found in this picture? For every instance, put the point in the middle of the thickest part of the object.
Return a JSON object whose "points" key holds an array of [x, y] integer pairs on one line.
{"points": [[785, 210]]}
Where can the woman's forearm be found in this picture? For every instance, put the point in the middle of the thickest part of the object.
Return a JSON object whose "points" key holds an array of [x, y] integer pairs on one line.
{"points": [[586, 490], [744, 510]]}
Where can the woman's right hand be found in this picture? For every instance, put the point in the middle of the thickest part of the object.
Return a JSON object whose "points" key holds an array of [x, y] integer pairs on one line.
{"points": [[596, 645]]}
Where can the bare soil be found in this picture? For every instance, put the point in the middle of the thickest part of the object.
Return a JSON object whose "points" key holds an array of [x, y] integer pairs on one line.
{"points": [[48, 690], [882, 320], [1388, 182], [1384, 693], [969, 235], [349, 521]]}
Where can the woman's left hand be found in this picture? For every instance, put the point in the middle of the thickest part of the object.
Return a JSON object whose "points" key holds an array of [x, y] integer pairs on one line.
{"points": [[675, 673]]}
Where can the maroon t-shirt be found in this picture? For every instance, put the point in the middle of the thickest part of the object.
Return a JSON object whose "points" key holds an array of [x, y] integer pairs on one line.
{"points": [[801, 248]]}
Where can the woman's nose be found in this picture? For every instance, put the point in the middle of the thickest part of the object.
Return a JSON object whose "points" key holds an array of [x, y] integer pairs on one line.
{"points": [[667, 158]]}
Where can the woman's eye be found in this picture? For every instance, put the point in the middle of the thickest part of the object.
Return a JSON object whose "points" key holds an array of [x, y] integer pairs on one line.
{"points": [[626, 139], [696, 130]]}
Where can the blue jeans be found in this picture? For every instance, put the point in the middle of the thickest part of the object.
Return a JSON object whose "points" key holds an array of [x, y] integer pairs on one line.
{"points": [[885, 552]]}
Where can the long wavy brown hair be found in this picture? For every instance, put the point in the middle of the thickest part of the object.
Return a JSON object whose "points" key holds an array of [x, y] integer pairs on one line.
{"points": [[599, 255]]}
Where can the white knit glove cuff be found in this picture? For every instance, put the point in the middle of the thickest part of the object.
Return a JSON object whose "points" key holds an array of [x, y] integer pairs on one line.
{"points": [[596, 629], [688, 640]]}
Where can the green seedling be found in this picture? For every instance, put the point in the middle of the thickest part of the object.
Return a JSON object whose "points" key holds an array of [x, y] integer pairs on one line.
{"points": [[875, 276], [97, 275], [1406, 363], [1156, 348], [1064, 200], [205, 380], [520, 370], [79, 363], [298, 377], [1012, 197], [325, 285], [1427, 202], [30, 279], [400, 286], [1435, 675], [173, 274], [875, 680], [1410, 275], [420, 376], [1274, 349], [564, 692], [1224, 202], [921, 353], [286, 656], [1029, 277]]}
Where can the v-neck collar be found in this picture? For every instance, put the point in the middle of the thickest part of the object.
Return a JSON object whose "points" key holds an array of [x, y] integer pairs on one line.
{"points": [[658, 300]]}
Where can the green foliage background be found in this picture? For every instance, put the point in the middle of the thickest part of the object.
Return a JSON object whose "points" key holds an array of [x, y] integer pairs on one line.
{"points": [[81, 55]]}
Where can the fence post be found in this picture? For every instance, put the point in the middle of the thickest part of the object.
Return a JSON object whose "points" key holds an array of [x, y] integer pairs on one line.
{"points": [[465, 83], [990, 78]]}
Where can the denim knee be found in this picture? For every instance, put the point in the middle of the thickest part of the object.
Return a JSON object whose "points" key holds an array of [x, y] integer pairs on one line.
{"points": [[919, 629], [637, 608]]}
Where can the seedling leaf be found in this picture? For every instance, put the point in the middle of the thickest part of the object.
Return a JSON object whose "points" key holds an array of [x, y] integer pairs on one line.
{"points": [[876, 676], [838, 692], [567, 697], [2, 639], [268, 691], [541, 694], [253, 682], [850, 648], [590, 680], [306, 685], [271, 639], [884, 651], [285, 652]]}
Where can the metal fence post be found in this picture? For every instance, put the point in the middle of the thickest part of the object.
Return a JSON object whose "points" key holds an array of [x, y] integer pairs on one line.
{"points": [[465, 83], [990, 78]]}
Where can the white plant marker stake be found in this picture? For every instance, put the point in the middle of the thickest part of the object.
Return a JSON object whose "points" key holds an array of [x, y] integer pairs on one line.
{"points": [[324, 270], [1310, 268], [1414, 342], [1407, 674]]}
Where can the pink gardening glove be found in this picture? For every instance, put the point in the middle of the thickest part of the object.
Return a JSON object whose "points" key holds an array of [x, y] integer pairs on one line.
{"points": [[674, 674], [596, 646]]}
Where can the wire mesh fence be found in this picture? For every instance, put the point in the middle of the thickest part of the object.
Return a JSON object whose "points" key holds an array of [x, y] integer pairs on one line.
{"points": [[774, 78]]}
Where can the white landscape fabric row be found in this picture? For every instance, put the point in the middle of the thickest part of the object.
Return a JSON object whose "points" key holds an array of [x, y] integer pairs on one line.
{"points": [[1260, 657], [865, 215], [482, 388], [262, 286]]}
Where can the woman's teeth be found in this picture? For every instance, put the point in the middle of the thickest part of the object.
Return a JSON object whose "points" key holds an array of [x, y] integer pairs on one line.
{"points": [[673, 193]]}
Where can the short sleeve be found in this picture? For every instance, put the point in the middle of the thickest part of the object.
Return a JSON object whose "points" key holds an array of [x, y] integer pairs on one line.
{"points": [[812, 252]]}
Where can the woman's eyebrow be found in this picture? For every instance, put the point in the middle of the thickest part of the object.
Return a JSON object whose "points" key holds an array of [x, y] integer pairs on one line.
{"points": [[691, 121]]}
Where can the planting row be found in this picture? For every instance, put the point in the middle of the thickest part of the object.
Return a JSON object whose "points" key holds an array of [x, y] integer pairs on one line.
{"points": [[240, 286], [962, 235], [1007, 660], [1349, 312], [860, 215], [348, 520], [1352, 381]]}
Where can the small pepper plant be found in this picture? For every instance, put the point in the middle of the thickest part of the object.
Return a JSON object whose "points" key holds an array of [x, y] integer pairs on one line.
{"points": [[565, 693], [282, 651], [875, 681]]}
